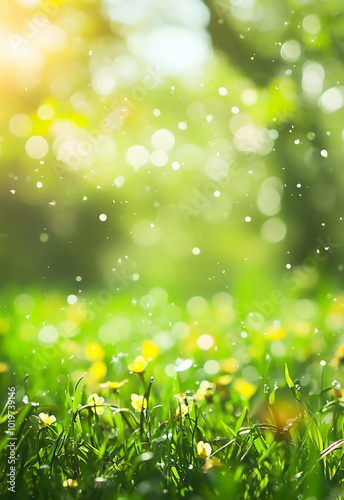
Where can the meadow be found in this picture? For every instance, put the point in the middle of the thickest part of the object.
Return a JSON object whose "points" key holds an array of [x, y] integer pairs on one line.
{"points": [[171, 235]]}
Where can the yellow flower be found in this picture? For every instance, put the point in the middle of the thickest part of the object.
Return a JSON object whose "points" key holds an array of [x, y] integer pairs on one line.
{"points": [[138, 402], [150, 350], [70, 483], [244, 388], [98, 370], [182, 410], [182, 397], [94, 401], [203, 449], [113, 385], [139, 365], [94, 351], [47, 419], [206, 390]]}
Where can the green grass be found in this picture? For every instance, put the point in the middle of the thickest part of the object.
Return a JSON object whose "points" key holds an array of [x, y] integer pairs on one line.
{"points": [[271, 436]]}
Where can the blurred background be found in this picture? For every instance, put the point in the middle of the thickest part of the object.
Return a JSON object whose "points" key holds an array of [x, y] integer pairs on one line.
{"points": [[172, 170]]}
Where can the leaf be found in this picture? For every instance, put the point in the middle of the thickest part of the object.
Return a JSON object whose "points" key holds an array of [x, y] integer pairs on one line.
{"points": [[241, 419], [288, 378], [291, 384], [272, 397]]}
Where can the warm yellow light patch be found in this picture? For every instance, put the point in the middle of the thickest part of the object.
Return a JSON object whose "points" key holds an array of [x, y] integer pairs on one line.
{"points": [[223, 380], [275, 333], [244, 388], [94, 351], [302, 329], [230, 365], [4, 367], [98, 371], [150, 350]]}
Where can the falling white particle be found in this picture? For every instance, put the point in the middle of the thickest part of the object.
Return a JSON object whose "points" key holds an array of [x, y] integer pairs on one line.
{"points": [[298, 185], [288, 266], [103, 217], [217, 194], [223, 91], [156, 112], [175, 165], [182, 126], [248, 219], [209, 118], [13, 191], [196, 251], [322, 362], [235, 110], [297, 141], [39, 184], [136, 277], [324, 153]]}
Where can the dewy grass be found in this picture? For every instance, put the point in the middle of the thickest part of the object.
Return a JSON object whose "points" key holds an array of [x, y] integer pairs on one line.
{"points": [[175, 447]]}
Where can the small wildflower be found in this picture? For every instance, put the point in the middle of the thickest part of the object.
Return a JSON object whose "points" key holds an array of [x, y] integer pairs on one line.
{"points": [[183, 398], [113, 385], [139, 365], [203, 449], [206, 390], [70, 483], [138, 402], [94, 401], [46, 419], [182, 410]]}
